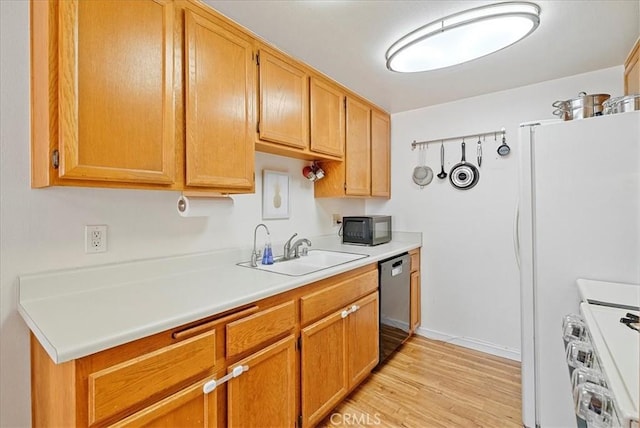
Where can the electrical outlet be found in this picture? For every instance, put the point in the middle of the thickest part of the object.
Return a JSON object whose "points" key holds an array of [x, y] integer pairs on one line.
{"points": [[336, 219], [95, 239]]}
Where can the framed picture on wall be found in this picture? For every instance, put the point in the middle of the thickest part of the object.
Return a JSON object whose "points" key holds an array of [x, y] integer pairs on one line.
{"points": [[275, 195]]}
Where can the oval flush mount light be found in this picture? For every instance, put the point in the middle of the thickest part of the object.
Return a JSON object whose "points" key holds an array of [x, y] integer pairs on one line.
{"points": [[463, 36]]}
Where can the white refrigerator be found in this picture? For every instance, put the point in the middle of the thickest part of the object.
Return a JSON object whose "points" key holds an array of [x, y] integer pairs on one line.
{"points": [[578, 217]]}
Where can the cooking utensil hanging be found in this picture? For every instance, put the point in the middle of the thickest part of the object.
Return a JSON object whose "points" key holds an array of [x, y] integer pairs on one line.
{"points": [[479, 154], [464, 175], [422, 174], [503, 149], [442, 175]]}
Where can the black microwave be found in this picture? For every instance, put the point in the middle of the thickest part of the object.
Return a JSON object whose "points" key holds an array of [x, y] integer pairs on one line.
{"points": [[366, 230]]}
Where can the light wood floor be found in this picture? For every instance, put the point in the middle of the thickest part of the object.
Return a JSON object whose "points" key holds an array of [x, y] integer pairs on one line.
{"points": [[430, 383]]}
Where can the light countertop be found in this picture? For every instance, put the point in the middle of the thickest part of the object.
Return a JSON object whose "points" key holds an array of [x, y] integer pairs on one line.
{"points": [[77, 312]]}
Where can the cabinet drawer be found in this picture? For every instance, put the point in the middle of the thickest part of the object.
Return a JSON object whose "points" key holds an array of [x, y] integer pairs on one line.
{"points": [[251, 331], [415, 260], [153, 375], [322, 302]]}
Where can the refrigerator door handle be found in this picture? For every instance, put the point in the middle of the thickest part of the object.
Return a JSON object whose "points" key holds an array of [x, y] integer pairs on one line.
{"points": [[516, 232]]}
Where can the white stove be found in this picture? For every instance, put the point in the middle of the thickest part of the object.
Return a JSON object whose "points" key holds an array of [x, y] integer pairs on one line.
{"points": [[616, 346]]}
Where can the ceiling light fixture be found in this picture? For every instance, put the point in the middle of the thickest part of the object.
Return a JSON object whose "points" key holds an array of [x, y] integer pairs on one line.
{"points": [[463, 37]]}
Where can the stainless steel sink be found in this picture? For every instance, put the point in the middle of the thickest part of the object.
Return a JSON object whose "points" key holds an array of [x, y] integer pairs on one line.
{"points": [[315, 260]]}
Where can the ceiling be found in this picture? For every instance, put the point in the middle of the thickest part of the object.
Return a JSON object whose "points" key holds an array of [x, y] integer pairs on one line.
{"points": [[347, 41]]}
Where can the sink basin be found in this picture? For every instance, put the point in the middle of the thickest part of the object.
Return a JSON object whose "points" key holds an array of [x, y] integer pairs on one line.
{"points": [[316, 260]]}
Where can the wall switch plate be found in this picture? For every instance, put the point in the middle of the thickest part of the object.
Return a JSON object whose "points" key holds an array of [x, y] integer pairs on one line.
{"points": [[336, 219], [95, 238]]}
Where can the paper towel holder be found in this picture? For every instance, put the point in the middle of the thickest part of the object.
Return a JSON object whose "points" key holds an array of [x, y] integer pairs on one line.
{"points": [[182, 206]]}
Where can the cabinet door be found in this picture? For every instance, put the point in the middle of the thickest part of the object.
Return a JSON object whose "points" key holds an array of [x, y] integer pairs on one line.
{"points": [[632, 71], [380, 155], [415, 300], [323, 367], [327, 118], [117, 113], [362, 338], [266, 393], [190, 407], [284, 102], [219, 106], [358, 149]]}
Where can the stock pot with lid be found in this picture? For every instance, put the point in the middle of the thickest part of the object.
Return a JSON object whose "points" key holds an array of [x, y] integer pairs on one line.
{"points": [[583, 106]]}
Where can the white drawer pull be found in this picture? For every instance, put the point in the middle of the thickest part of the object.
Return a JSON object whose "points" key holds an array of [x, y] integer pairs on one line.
{"points": [[213, 384]]}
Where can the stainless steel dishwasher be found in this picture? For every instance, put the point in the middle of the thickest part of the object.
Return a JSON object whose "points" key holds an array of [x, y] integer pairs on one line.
{"points": [[395, 284]]}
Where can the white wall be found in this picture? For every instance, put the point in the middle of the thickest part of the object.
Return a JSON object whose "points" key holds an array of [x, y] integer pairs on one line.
{"points": [[470, 281], [43, 229]]}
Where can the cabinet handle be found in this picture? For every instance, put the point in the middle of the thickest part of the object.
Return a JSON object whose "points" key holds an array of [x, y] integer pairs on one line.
{"points": [[349, 311], [213, 384]]}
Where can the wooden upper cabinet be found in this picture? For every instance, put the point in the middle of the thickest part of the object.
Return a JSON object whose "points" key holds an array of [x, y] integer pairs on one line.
{"points": [[327, 118], [632, 71], [358, 149], [284, 102], [380, 154], [116, 102], [219, 105]]}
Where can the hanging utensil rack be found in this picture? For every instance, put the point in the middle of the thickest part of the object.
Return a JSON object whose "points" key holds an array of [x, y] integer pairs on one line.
{"points": [[502, 132]]}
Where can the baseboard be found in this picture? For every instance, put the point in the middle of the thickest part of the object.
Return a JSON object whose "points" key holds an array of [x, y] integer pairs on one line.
{"points": [[466, 342], [402, 325]]}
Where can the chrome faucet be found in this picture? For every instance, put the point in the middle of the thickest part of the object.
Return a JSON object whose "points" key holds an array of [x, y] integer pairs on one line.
{"points": [[255, 254], [292, 251], [287, 247]]}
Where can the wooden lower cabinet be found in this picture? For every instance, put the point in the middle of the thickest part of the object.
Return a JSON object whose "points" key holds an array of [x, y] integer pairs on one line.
{"points": [[362, 340], [265, 395], [414, 296], [323, 365], [301, 351], [190, 407], [337, 353]]}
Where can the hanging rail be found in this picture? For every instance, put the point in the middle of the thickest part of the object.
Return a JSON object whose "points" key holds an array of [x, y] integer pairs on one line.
{"points": [[502, 133]]}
